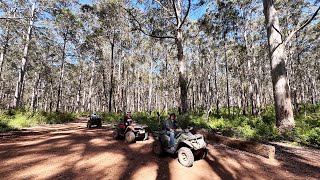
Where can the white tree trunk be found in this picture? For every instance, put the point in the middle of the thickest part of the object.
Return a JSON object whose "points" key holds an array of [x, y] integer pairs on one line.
{"points": [[91, 86], [150, 85], [281, 89], [23, 65], [79, 92]]}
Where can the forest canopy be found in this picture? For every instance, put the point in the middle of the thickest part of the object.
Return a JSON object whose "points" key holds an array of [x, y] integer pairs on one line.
{"points": [[157, 55]]}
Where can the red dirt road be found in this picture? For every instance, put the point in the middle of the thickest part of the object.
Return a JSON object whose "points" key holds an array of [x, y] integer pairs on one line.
{"points": [[71, 151]]}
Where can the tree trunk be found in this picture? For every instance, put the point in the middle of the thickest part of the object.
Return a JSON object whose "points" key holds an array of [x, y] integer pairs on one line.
{"points": [[23, 65], [4, 51], [281, 89], [84, 100], [182, 74], [91, 86], [34, 91], [139, 91], [150, 85], [79, 91], [111, 77], [227, 73], [61, 78], [182, 66], [216, 86]]}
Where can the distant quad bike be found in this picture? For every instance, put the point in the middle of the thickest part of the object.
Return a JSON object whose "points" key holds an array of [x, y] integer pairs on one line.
{"points": [[187, 145], [130, 133], [94, 120]]}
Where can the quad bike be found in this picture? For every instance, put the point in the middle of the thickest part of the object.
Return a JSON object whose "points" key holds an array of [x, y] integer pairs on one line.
{"points": [[94, 120], [188, 146], [130, 133]]}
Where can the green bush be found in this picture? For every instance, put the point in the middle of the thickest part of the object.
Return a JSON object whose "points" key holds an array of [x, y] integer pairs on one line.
{"points": [[313, 136], [110, 117], [140, 117], [259, 128], [58, 118], [308, 128], [15, 119]]}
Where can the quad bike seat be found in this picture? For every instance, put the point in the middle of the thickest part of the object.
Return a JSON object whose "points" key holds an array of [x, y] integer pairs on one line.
{"points": [[122, 126], [162, 132]]}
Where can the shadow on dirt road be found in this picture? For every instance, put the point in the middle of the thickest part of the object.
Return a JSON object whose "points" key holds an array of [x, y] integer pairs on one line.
{"points": [[71, 151]]}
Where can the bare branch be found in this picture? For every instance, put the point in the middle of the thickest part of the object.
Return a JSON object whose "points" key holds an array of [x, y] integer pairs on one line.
{"points": [[273, 50], [293, 32], [187, 13], [13, 18], [175, 11], [278, 32], [143, 31], [301, 27], [163, 7]]}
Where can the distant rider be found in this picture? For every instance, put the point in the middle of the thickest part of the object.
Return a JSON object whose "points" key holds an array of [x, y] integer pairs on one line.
{"points": [[127, 120], [94, 116]]}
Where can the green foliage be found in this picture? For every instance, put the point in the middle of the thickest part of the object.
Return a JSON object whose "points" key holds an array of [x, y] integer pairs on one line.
{"points": [[149, 119], [140, 117], [308, 125], [258, 128], [57, 118], [110, 117], [12, 120], [313, 136]]}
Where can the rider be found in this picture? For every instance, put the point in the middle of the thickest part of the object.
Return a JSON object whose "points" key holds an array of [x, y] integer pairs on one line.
{"points": [[171, 126], [94, 116], [127, 120]]}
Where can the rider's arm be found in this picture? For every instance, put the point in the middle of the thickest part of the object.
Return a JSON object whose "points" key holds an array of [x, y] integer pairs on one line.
{"points": [[175, 125], [167, 126]]}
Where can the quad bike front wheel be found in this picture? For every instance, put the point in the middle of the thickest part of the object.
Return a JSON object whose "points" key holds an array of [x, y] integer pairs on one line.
{"points": [[157, 148], [130, 137], [115, 134], [185, 156]]}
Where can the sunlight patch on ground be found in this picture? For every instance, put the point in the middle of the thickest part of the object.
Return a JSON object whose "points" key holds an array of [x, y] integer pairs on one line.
{"points": [[39, 171], [104, 159], [108, 163], [141, 147], [22, 160], [77, 148], [234, 163], [193, 172], [223, 166], [147, 171], [98, 141]]}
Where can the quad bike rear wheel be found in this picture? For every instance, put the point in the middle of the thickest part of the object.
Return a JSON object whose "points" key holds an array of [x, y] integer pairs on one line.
{"points": [[99, 124], [115, 134], [157, 148], [130, 137], [185, 156]]}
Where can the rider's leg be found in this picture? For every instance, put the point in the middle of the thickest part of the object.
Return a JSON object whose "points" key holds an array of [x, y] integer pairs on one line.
{"points": [[171, 134]]}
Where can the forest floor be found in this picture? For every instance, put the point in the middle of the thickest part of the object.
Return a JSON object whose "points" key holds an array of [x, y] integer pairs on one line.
{"points": [[71, 151]]}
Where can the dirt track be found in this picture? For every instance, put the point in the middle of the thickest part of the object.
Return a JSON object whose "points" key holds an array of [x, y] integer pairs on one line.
{"points": [[71, 151]]}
